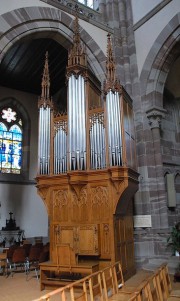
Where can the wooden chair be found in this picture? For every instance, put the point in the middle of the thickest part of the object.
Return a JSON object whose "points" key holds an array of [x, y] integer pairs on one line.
{"points": [[79, 296], [152, 286], [33, 258], [27, 247], [163, 287], [34, 265], [119, 280], [18, 260], [108, 282], [3, 263], [10, 252], [167, 281], [94, 282]]}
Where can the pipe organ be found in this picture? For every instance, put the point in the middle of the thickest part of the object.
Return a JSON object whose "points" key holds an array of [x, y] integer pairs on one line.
{"points": [[87, 164]]}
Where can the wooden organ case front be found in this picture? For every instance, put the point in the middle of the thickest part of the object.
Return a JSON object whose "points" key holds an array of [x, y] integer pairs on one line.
{"points": [[87, 164]]}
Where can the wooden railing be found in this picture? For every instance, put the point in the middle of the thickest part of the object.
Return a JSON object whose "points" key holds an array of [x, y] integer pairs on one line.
{"points": [[108, 284]]}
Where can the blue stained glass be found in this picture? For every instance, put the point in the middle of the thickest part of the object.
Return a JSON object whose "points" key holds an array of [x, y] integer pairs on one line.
{"points": [[10, 149], [8, 135], [15, 129], [3, 127]]}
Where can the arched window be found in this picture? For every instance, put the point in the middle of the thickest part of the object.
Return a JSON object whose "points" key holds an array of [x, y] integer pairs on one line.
{"points": [[11, 137]]}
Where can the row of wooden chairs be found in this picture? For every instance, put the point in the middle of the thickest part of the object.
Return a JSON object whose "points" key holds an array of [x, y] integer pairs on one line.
{"points": [[108, 285], [156, 287], [20, 256], [99, 286]]}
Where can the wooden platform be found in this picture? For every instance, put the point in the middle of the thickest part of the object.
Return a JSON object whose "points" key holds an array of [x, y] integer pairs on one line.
{"points": [[52, 275]]}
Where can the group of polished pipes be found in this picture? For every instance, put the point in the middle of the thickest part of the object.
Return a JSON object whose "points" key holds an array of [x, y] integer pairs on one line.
{"points": [[77, 123], [114, 128], [44, 139], [69, 147], [97, 142], [60, 148]]}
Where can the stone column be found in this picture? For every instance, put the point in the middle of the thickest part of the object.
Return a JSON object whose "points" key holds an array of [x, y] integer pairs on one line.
{"points": [[155, 116]]}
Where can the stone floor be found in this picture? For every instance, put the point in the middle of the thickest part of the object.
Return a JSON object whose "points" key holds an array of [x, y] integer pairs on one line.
{"points": [[17, 288]]}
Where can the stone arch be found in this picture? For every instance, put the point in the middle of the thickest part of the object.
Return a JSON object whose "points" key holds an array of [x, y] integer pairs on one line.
{"points": [[158, 63], [57, 24]]}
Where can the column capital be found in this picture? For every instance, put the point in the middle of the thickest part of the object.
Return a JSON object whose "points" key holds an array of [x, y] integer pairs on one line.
{"points": [[155, 114]]}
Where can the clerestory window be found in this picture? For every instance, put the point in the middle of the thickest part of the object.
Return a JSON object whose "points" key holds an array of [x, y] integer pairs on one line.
{"points": [[11, 137], [94, 4]]}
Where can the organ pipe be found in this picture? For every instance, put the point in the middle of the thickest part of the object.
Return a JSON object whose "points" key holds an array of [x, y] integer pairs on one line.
{"points": [[45, 108]]}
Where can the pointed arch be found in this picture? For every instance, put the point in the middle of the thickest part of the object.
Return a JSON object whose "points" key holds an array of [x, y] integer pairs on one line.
{"points": [[45, 21], [163, 53]]}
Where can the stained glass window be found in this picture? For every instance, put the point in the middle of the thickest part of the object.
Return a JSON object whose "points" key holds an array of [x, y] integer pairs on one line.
{"points": [[10, 141]]}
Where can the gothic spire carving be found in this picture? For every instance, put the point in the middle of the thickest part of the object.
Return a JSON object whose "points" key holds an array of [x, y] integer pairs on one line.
{"points": [[45, 99], [77, 58], [111, 82]]}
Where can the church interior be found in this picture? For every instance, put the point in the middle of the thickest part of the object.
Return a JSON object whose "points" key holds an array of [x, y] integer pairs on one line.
{"points": [[90, 142]]}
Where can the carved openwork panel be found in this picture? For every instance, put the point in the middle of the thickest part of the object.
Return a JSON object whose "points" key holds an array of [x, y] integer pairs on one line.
{"points": [[100, 205], [60, 205], [79, 207]]}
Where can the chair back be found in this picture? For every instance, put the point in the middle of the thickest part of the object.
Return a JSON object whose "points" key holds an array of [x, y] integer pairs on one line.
{"points": [[108, 282], [10, 251], [165, 275], [19, 255], [27, 247], [39, 245], [153, 287], [145, 292], [118, 276], [44, 256], [34, 254], [94, 282], [161, 285]]}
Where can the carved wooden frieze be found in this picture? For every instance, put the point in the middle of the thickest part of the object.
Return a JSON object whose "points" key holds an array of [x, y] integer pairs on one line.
{"points": [[60, 205]]}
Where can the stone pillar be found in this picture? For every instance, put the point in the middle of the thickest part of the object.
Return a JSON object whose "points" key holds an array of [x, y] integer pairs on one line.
{"points": [[159, 204]]}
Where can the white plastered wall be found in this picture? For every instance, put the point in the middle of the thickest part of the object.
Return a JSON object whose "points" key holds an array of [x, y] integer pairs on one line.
{"points": [[22, 199]]}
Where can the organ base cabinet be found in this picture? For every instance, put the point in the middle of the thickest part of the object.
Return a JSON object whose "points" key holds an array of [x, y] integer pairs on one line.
{"points": [[92, 212], [84, 239]]}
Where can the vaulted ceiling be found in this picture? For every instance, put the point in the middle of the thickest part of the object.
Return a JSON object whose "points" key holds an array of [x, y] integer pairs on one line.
{"points": [[22, 66]]}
